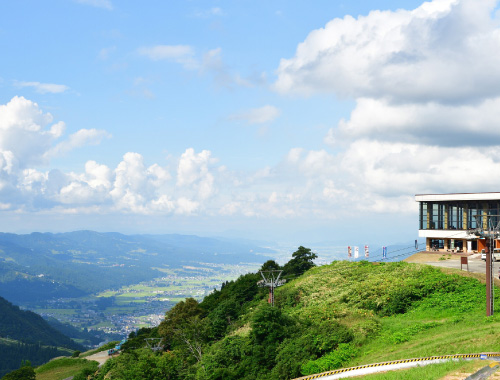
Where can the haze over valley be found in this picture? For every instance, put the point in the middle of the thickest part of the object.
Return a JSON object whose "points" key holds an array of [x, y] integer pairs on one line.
{"points": [[116, 283]]}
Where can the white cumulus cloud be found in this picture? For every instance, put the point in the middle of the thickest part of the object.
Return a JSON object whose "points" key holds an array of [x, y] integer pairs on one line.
{"points": [[444, 51], [194, 171], [426, 85], [427, 123], [27, 133]]}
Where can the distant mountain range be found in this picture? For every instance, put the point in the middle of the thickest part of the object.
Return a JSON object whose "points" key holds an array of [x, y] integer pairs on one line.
{"points": [[41, 266]]}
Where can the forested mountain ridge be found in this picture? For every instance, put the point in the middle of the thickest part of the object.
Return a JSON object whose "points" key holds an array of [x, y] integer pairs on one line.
{"points": [[42, 266], [27, 336], [29, 327]]}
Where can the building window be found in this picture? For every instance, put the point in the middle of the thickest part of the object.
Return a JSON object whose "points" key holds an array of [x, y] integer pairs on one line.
{"points": [[473, 214], [455, 244], [493, 217], [455, 217], [423, 215], [436, 216], [437, 243]]}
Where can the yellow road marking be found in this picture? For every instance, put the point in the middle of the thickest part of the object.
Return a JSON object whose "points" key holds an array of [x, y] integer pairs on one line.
{"points": [[458, 356]]}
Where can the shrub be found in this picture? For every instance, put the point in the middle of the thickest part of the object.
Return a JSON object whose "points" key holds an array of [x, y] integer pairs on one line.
{"points": [[23, 373], [89, 369], [335, 359]]}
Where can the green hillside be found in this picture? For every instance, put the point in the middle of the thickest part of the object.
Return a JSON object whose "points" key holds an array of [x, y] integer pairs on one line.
{"points": [[25, 335], [337, 315], [333, 316]]}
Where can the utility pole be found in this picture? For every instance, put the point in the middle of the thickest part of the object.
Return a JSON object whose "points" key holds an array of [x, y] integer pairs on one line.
{"points": [[155, 344], [490, 234], [271, 279]]}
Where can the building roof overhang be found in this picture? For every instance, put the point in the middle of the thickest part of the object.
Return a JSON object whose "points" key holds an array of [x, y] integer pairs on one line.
{"points": [[457, 197]]}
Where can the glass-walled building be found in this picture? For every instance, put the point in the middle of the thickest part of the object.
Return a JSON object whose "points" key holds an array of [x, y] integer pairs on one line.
{"points": [[447, 220]]}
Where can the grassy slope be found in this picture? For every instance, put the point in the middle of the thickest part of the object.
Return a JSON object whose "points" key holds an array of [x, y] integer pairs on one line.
{"points": [[12, 352], [449, 370], [62, 368], [450, 319], [396, 311]]}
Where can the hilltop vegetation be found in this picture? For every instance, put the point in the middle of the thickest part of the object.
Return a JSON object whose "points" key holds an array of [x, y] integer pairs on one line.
{"points": [[342, 314]]}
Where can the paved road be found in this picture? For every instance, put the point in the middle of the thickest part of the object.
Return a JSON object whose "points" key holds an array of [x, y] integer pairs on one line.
{"points": [[485, 372], [101, 357], [475, 264], [404, 364]]}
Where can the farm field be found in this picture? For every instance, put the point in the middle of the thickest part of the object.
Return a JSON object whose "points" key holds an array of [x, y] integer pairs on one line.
{"points": [[127, 308]]}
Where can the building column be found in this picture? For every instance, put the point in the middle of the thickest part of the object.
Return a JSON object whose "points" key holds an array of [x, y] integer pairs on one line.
{"points": [[465, 211], [485, 216], [445, 217]]}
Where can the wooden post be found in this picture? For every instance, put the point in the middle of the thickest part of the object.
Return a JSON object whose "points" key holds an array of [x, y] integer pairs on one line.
{"points": [[464, 260], [489, 281]]}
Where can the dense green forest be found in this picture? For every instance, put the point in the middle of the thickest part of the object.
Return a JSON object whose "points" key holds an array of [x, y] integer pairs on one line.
{"points": [[29, 327], [331, 316], [25, 335], [14, 352]]}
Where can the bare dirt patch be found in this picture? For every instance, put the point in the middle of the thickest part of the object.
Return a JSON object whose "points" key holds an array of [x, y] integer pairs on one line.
{"points": [[425, 257]]}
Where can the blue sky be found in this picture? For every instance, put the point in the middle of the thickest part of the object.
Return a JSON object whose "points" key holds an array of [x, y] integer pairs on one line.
{"points": [[284, 120]]}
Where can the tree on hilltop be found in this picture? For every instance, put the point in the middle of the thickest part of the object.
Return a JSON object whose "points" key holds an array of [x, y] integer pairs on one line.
{"points": [[184, 327], [270, 265], [302, 260]]}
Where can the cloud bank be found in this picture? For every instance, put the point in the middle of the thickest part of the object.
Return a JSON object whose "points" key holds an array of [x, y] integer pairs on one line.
{"points": [[444, 51], [195, 183], [426, 86]]}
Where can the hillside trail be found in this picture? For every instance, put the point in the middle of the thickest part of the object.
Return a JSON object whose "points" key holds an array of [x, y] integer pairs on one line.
{"points": [[100, 357]]}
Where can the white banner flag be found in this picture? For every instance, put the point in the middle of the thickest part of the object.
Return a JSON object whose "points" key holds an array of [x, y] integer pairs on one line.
{"points": [[356, 252]]}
